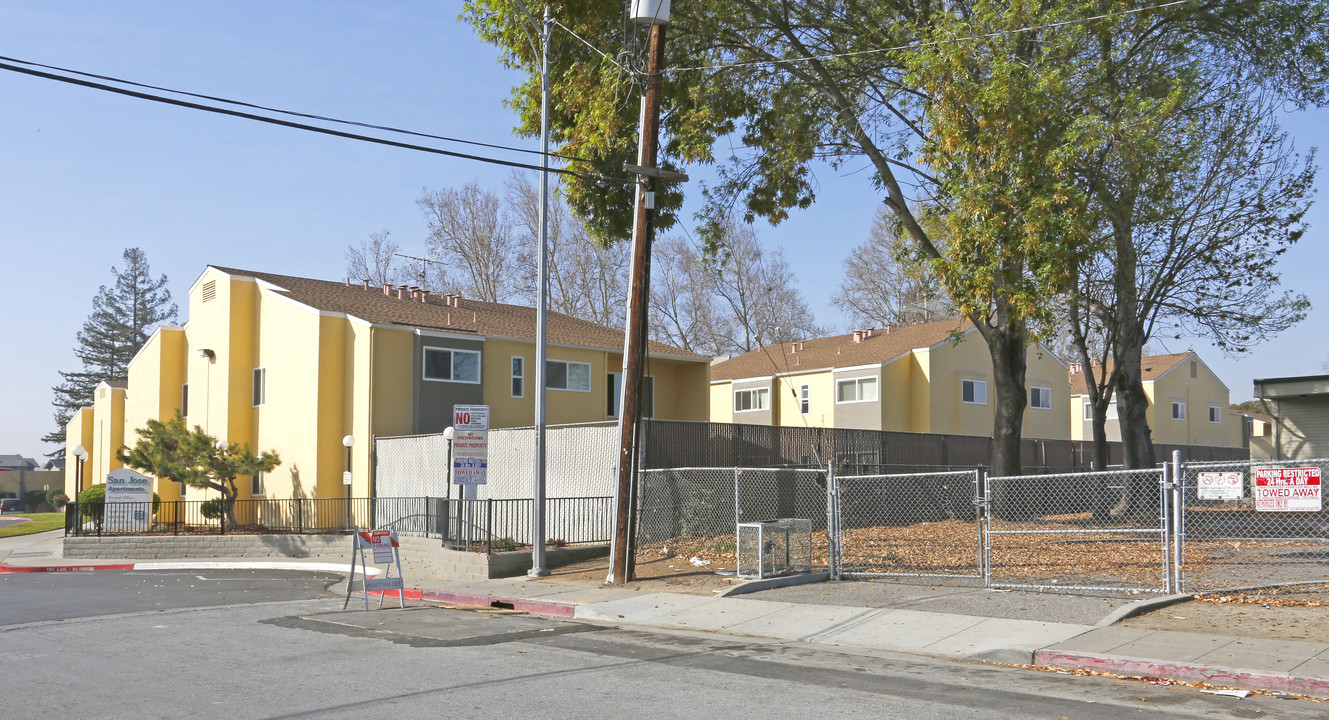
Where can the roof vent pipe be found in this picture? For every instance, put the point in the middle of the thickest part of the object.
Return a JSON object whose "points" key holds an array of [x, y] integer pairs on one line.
{"points": [[387, 289], [366, 281]]}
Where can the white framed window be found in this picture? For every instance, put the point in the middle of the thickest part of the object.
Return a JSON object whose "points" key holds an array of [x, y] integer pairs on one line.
{"points": [[804, 399], [1178, 410], [184, 400], [1089, 411], [974, 392], [518, 376], [1040, 398], [447, 365], [256, 484], [260, 379], [754, 399], [615, 388], [568, 375], [1215, 414], [856, 390]]}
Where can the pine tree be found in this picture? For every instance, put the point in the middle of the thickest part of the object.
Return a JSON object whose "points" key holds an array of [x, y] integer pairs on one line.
{"points": [[123, 317]]}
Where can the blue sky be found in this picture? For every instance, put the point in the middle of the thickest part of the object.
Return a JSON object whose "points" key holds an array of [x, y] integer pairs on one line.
{"points": [[85, 174]]}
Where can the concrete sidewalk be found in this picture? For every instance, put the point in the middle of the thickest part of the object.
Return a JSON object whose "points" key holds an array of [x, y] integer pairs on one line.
{"points": [[1251, 663]]}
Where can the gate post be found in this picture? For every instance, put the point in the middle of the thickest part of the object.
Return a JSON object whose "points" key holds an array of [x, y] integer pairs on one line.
{"points": [[1178, 526], [985, 527], [1165, 482], [832, 522]]}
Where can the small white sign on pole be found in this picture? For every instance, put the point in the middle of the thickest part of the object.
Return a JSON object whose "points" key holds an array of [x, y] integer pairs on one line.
{"points": [[1287, 489], [1220, 486], [470, 444], [128, 501]]}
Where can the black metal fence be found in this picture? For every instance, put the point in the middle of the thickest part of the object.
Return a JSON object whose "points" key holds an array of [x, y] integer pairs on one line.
{"points": [[674, 443], [488, 525]]}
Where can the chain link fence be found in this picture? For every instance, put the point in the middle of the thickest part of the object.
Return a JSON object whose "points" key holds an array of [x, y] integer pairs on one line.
{"points": [[918, 524], [1231, 538], [1102, 531], [694, 512]]}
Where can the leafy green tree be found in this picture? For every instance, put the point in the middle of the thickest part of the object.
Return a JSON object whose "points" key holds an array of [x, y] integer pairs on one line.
{"points": [[124, 315]]}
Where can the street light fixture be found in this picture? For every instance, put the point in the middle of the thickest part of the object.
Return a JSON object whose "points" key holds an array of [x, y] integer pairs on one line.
{"points": [[80, 455]]}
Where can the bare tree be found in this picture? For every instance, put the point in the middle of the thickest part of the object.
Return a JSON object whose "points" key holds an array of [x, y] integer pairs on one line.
{"points": [[470, 235], [685, 310], [376, 260], [586, 279], [887, 282]]}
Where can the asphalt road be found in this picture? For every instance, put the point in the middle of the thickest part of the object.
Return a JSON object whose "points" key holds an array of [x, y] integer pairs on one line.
{"points": [[11, 520], [275, 647]]}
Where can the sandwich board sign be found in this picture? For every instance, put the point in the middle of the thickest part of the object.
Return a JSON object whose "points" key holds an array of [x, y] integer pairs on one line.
{"points": [[1219, 486], [128, 501], [386, 550], [470, 444], [1287, 489]]}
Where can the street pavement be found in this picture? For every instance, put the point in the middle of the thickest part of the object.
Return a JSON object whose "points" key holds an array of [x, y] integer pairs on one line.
{"points": [[1039, 637]]}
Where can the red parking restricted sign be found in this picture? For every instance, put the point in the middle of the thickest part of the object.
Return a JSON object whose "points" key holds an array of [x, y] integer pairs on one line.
{"points": [[1287, 490]]}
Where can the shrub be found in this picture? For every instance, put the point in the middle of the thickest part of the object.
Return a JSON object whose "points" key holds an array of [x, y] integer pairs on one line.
{"points": [[92, 502], [59, 500], [502, 544], [213, 509]]}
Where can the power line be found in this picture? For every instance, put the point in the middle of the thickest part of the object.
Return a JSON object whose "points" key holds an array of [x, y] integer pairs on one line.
{"points": [[293, 113], [302, 126], [917, 45]]}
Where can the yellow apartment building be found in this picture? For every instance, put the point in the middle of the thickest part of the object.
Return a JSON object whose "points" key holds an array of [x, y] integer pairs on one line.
{"points": [[929, 378], [1188, 404], [294, 365]]}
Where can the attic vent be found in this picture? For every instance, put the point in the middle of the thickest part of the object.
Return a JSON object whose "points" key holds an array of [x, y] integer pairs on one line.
{"points": [[209, 290], [102, 393], [1194, 368]]}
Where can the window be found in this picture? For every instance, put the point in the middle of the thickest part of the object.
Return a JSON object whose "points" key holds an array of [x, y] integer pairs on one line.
{"points": [[518, 376], [615, 385], [1215, 414], [974, 392], [256, 484], [1040, 398], [804, 399], [566, 375], [260, 375], [754, 399], [184, 400], [1089, 411], [856, 390], [1178, 410], [444, 365]]}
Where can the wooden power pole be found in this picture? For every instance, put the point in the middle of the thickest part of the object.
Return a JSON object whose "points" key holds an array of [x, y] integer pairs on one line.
{"points": [[625, 519]]}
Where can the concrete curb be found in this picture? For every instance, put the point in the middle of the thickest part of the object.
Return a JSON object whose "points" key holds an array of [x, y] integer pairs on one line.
{"points": [[550, 608], [203, 565], [785, 581], [1141, 607], [1216, 674]]}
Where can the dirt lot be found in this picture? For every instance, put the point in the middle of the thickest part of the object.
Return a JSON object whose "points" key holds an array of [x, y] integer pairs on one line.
{"points": [[673, 574], [1289, 613]]}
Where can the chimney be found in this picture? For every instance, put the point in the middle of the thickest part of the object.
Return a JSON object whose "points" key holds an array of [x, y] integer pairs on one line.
{"points": [[887, 330], [348, 282]]}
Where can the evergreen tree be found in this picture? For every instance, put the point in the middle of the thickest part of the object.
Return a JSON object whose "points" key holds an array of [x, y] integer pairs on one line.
{"points": [[124, 315]]}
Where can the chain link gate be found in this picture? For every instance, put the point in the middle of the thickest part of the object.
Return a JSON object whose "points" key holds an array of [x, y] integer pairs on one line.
{"points": [[1232, 543], [1099, 531], [906, 525]]}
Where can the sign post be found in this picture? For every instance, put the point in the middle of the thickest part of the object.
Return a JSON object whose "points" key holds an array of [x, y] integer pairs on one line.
{"points": [[470, 454], [1287, 489], [128, 501]]}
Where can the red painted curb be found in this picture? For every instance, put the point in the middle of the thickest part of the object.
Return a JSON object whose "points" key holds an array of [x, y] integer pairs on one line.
{"points": [[409, 594], [551, 608], [1216, 674], [7, 568]]}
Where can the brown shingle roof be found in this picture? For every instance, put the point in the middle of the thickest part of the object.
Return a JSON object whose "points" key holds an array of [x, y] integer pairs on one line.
{"points": [[470, 316], [118, 384], [1152, 367], [838, 350]]}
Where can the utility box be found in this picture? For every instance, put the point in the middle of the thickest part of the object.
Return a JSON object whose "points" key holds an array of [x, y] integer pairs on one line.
{"points": [[774, 547]]}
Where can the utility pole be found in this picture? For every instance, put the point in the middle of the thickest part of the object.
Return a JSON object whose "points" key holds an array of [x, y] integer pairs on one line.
{"points": [[623, 568]]}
